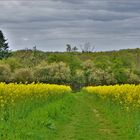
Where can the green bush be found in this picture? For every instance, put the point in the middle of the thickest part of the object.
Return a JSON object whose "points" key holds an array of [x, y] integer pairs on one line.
{"points": [[13, 63], [58, 73], [5, 73], [41, 74], [23, 75]]}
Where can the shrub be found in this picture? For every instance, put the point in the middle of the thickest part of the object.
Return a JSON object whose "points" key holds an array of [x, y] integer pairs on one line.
{"points": [[23, 75], [13, 63], [5, 73], [58, 73], [41, 74]]}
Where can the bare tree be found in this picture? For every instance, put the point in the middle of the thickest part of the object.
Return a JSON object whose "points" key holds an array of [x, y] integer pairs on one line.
{"points": [[87, 47]]}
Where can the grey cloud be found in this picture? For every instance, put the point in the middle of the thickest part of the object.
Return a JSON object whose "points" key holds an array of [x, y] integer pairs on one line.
{"points": [[51, 24]]}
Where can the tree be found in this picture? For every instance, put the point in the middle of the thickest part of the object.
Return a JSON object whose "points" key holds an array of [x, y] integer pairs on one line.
{"points": [[71, 49], [88, 70], [74, 49], [57, 73], [87, 47], [68, 48], [102, 77], [4, 52]]}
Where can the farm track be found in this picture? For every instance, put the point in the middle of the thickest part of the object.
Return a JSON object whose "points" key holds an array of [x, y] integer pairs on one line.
{"points": [[87, 123]]}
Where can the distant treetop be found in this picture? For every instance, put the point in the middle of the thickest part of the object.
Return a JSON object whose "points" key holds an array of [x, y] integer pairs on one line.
{"points": [[4, 47]]}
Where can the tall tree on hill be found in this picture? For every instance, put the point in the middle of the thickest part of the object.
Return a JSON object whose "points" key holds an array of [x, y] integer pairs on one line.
{"points": [[74, 49], [68, 48], [4, 48], [87, 47]]}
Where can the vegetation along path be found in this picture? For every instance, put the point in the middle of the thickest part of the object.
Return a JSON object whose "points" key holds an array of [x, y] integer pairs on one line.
{"points": [[76, 116]]}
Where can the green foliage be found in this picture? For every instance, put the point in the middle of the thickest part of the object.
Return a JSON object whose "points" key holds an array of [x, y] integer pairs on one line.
{"points": [[58, 73], [23, 75], [5, 73], [41, 74], [132, 77], [88, 70], [103, 62], [78, 69], [13, 63], [69, 58]]}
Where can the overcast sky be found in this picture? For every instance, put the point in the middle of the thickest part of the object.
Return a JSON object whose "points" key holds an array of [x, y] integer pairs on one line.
{"points": [[51, 24]]}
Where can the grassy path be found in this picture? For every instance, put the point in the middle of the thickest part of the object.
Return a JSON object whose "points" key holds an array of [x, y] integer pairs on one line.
{"points": [[86, 123], [74, 117]]}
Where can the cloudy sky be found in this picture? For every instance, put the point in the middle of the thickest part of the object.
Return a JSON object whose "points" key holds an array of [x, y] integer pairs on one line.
{"points": [[50, 24]]}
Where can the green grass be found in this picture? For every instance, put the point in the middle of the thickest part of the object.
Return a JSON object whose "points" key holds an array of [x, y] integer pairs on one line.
{"points": [[76, 116]]}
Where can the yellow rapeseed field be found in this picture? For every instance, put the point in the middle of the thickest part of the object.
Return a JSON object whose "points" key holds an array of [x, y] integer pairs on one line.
{"points": [[126, 94], [12, 93]]}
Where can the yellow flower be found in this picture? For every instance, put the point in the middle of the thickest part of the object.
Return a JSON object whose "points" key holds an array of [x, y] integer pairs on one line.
{"points": [[125, 94]]}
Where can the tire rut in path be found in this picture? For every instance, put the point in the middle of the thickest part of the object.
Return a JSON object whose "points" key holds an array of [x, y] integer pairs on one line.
{"points": [[106, 127]]}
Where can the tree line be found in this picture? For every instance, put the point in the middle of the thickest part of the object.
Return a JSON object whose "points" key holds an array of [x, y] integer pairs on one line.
{"points": [[86, 74]]}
